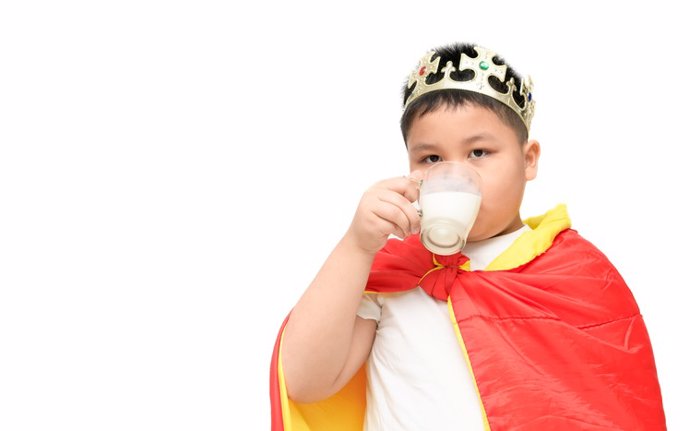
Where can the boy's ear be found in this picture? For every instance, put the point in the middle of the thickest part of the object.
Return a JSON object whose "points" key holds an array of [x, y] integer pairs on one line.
{"points": [[531, 151]]}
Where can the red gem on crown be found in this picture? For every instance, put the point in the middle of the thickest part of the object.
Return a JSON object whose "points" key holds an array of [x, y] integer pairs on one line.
{"points": [[422, 70]]}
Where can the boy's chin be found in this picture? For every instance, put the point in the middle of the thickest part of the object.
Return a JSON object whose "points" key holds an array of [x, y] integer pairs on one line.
{"points": [[472, 237], [482, 235], [480, 232]]}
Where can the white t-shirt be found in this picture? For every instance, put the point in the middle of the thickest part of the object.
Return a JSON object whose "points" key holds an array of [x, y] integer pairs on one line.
{"points": [[417, 375]]}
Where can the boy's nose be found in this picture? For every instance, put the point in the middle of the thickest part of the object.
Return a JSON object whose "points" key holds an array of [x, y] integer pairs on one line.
{"points": [[458, 159]]}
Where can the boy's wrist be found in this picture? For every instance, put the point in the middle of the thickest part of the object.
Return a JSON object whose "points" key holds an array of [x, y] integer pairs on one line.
{"points": [[350, 244]]}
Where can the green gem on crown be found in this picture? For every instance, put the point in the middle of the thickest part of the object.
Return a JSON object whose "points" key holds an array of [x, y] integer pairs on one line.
{"points": [[483, 65]]}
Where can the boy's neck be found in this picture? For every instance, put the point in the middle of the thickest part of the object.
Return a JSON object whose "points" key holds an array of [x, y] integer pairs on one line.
{"points": [[516, 224]]}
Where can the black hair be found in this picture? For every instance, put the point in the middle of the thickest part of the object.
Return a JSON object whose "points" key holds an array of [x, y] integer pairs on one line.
{"points": [[431, 101]]}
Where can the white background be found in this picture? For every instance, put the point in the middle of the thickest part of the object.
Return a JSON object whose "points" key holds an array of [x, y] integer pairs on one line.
{"points": [[173, 174]]}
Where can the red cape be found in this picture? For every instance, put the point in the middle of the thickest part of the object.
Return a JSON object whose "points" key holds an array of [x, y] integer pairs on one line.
{"points": [[552, 335]]}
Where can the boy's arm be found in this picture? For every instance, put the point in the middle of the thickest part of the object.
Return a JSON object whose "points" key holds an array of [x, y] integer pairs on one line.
{"points": [[324, 342]]}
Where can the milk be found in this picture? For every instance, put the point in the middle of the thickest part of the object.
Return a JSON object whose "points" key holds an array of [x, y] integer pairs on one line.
{"points": [[447, 218]]}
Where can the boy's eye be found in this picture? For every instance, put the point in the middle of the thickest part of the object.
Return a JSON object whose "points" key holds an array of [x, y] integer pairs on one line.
{"points": [[432, 159], [478, 153]]}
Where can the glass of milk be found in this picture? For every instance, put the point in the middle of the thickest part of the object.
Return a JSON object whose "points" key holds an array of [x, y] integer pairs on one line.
{"points": [[449, 199]]}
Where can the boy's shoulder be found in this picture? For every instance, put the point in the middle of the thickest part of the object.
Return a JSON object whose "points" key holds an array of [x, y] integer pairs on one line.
{"points": [[575, 277], [569, 246]]}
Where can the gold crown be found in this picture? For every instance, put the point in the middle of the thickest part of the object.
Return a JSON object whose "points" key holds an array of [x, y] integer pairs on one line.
{"points": [[483, 67]]}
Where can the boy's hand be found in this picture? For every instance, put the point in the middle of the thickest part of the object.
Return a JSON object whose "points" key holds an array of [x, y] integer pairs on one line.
{"points": [[385, 209]]}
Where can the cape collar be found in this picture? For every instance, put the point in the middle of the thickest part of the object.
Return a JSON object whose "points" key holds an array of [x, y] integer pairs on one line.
{"points": [[404, 265], [534, 242], [438, 281]]}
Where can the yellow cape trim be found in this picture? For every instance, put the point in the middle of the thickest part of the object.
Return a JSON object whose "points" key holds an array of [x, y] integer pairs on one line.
{"points": [[287, 405], [532, 243], [451, 312]]}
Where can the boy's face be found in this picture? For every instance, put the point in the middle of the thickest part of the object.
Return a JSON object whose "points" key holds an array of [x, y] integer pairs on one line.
{"points": [[478, 137]]}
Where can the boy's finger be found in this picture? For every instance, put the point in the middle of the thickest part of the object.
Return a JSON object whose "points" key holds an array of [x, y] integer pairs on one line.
{"points": [[391, 212], [410, 212], [405, 186]]}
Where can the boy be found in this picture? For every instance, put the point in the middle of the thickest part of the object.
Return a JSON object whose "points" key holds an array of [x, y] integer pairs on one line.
{"points": [[529, 327]]}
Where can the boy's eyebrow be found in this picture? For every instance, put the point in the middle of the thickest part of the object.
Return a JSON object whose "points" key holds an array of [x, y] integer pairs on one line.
{"points": [[424, 146], [484, 136]]}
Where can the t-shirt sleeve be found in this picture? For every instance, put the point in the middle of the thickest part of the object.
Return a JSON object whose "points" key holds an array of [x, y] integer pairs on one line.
{"points": [[370, 307]]}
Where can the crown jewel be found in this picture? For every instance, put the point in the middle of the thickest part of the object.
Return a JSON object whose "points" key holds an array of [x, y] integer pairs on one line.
{"points": [[483, 67]]}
